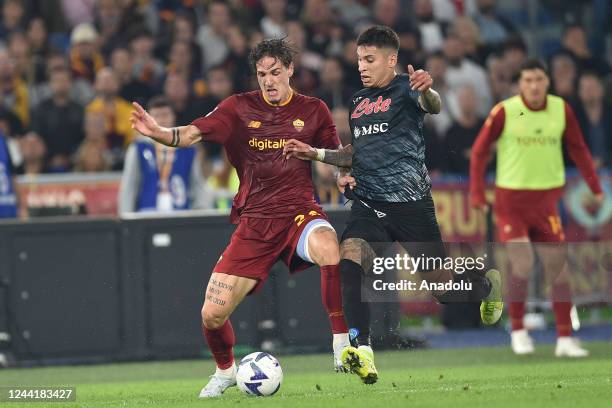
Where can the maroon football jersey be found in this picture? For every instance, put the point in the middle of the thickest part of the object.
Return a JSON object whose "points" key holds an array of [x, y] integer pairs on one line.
{"points": [[254, 133]]}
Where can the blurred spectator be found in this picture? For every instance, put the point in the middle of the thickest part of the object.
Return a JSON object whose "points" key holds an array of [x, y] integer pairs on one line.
{"points": [[389, 13], [575, 42], [85, 59], [8, 196], [237, 61], [499, 78], [332, 87], [116, 112], [461, 135], [352, 13], [176, 90], [78, 11], [38, 48], [13, 18], [324, 34], [564, 77], [59, 121], [324, 179], [340, 115], [13, 90], [108, 20], [91, 157], [181, 63], [147, 69], [461, 71], [131, 89], [595, 123], [220, 86], [436, 66], [494, 29], [160, 178], [81, 91], [33, 152], [19, 49], [212, 36], [467, 32], [225, 182], [306, 63], [273, 23], [183, 30], [410, 51], [514, 55], [349, 64], [431, 31]]}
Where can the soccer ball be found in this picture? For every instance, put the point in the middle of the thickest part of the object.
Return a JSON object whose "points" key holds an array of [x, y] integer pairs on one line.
{"points": [[259, 374]]}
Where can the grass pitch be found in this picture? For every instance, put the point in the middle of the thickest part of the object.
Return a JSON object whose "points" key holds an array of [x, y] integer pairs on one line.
{"points": [[484, 377]]}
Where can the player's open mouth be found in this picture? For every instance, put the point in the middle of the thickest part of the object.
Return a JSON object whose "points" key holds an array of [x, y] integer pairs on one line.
{"points": [[365, 78], [272, 93]]}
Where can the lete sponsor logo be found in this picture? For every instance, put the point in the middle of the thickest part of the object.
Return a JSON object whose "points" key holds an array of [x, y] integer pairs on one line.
{"points": [[366, 107]]}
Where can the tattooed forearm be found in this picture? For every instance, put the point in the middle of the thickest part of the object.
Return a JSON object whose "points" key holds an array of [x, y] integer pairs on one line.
{"points": [[220, 285], [215, 300], [430, 101], [342, 157]]}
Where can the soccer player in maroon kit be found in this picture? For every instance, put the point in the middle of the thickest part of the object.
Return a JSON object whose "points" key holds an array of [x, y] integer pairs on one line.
{"points": [[277, 216]]}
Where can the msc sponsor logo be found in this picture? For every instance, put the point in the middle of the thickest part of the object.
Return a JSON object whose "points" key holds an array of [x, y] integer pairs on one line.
{"points": [[298, 124], [265, 144], [366, 107], [370, 129]]}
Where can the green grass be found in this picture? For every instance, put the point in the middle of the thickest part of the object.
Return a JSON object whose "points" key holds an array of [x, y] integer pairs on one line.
{"points": [[485, 377]]}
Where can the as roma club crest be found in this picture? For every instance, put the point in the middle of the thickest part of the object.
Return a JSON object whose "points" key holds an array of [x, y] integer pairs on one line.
{"points": [[298, 124]]}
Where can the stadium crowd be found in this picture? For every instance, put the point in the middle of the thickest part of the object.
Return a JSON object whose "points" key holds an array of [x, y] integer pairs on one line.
{"points": [[69, 69]]}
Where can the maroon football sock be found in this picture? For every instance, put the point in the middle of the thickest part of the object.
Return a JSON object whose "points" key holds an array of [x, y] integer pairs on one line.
{"points": [[221, 342], [561, 295], [518, 295], [331, 293]]}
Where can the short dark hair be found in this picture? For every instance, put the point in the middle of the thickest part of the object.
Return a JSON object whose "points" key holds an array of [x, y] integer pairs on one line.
{"points": [[533, 63], [159, 101], [277, 48], [380, 37]]}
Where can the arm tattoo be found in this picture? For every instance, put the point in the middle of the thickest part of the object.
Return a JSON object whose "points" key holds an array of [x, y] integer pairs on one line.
{"points": [[430, 101], [342, 157]]}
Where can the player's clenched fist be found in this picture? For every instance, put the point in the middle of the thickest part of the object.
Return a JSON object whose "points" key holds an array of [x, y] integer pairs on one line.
{"points": [[419, 80], [345, 180]]}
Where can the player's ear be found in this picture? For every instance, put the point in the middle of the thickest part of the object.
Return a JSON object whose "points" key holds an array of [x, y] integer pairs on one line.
{"points": [[290, 69], [392, 59]]}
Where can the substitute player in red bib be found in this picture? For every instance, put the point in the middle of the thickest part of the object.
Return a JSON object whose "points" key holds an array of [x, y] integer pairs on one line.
{"points": [[530, 130], [277, 216]]}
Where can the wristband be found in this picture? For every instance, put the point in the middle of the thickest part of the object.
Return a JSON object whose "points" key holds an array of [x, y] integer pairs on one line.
{"points": [[320, 154]]}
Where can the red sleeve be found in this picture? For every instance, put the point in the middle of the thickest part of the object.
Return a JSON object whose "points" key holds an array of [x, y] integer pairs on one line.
{"points": [[481, 153], [578, 150], [218, 125], [326, 137]]}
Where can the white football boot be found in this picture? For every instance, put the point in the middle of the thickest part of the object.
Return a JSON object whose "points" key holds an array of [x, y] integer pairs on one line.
{"points": [[521, 342], [569, 347], [219, 382]]}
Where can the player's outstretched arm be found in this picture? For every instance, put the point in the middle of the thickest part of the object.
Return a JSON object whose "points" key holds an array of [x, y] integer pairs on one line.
{"points": [[181, 136], [421, 81], [342, 157]]}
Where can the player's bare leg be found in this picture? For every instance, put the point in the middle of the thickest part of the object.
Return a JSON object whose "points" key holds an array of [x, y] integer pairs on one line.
{"points": [[223, 294], [556, 271], [356, 255]]}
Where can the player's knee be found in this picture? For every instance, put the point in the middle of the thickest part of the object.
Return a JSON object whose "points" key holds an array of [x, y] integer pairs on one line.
{"points": [[323, 247], [212, 319]]}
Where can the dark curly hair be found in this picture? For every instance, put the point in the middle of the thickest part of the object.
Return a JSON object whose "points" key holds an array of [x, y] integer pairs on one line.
{"points": [[278, 48]]}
